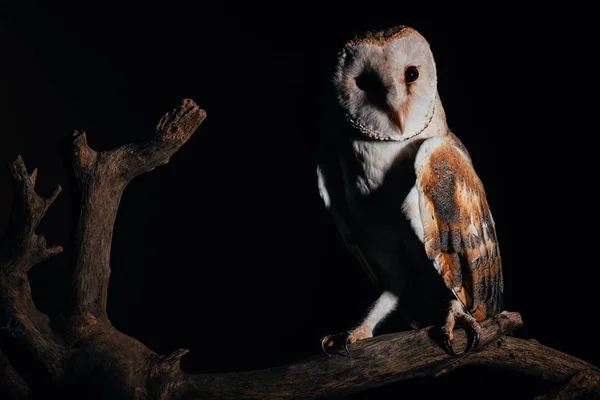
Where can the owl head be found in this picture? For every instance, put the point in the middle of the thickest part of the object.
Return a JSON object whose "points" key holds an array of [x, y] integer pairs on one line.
{"points": [[386, 83]]}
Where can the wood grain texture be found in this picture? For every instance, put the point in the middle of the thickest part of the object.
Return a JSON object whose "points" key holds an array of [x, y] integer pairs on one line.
{"points": [[102, 178], [21, 249], [581, 384]]}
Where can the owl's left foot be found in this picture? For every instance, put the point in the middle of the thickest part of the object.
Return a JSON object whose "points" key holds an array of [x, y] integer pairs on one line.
{"points": [[456, 313], [339, 340]]}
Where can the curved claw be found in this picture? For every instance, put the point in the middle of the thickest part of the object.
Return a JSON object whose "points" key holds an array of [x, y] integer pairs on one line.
{"points": [[346, 348], [448, 345], [472, 343], [476, 340], [323, 340], [458, 314], [333, 340]]}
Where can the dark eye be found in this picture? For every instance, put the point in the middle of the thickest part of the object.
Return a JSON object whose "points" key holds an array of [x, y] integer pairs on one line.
{"points": [[411, 74], [370, 83], [367, 82]]}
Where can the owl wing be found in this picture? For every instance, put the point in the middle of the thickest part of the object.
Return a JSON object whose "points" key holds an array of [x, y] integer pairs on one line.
{"points": [[459, 232]]}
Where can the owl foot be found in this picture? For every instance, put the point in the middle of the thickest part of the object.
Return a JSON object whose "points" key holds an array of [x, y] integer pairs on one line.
{"points": [[456, 313], [339, 340]]}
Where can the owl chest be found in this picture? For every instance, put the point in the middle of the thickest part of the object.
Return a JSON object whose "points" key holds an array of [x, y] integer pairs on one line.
{"points": [[380, 194]]}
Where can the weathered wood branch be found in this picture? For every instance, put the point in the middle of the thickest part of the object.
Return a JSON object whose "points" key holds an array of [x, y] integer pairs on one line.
{"points": [[581, 384], [534, 359], [391, 358], [20, 250], [96, 361], [92, 344], [102, 177]]}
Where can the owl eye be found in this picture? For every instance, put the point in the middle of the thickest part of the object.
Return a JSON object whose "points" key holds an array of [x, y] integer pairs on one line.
{"points": [[411, 74], [370, 83], [367, 82]]}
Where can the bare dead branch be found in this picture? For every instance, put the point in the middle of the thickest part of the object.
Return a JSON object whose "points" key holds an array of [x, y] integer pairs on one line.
{"points": [[532, 358], [375, 362], [386, 359], [103, 177], [166, 375], [21, 249], [581, 384]]}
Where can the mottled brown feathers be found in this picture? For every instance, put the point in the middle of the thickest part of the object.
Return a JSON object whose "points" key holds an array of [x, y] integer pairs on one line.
{"points": [[460, 234], [382, 37]]}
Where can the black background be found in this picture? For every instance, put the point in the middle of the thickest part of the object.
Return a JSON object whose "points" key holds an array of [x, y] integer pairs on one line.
{"points": [[227, 250]]}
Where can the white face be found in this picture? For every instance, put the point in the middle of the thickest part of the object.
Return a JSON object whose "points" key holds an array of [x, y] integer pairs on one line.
{"points": [[388, 90]]}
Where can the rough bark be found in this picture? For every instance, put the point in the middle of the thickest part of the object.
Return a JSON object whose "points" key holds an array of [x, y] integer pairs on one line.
{"points": [[391, 358], [103, 176], [581, 384], [93, 360], [21, 248]]}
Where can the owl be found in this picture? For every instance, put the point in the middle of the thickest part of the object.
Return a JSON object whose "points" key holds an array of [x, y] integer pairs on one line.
{"points": [[403, 192]]}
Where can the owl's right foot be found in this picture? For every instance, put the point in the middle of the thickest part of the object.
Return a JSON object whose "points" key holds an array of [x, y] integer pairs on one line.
{"points": [[341, 340], [456, 313]]}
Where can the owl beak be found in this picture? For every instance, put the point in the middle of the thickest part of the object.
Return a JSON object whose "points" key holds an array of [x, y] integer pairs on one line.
{"points": [[398, 118]]}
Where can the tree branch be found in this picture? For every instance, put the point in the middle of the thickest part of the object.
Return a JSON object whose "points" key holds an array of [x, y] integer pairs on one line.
{"points": [[21, 249], [102, 177], [386, 359], [375, 362], [581, 384], [532, 358]]}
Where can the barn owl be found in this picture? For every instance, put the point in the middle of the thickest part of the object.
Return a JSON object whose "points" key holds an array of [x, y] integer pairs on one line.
{"points": [[403, 191]]}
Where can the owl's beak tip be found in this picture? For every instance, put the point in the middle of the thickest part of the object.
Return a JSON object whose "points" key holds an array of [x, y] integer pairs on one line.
{"points": [[398, 119]]}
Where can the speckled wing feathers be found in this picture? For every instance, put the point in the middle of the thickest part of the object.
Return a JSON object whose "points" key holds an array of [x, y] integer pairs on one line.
{"points": [[459, 232]]}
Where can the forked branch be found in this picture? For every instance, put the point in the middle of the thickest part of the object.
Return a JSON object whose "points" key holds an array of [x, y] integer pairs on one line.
{"points": [[102, 177], [21, 249]]}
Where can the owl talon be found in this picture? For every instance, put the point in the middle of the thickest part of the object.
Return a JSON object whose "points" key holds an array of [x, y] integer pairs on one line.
{"points": [[472, 328], [335, 342], [456, 314], [472, 343], [476, 339], [448, 345]]}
